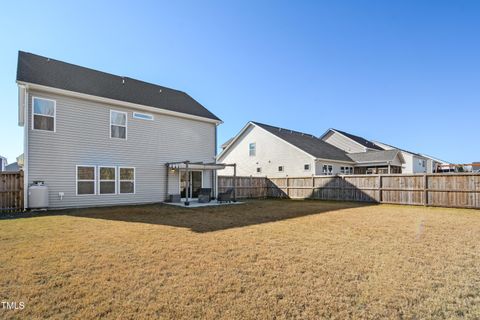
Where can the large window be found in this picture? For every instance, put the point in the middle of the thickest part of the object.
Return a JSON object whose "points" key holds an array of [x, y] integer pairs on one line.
{"points": [[85, 180], [346, 170], [43, 114], [107, 180], [127, 180], [252, 149], [118, 124], [327, 169]]}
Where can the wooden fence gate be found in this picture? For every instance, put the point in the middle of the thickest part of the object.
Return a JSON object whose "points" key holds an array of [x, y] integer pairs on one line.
{"points": [[11, 191]]}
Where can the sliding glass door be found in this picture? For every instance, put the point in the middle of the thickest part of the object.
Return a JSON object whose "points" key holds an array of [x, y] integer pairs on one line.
{"points": [[195, 184]]}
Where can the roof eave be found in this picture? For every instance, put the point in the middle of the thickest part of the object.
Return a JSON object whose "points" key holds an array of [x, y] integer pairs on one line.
{"points": [[126, 104]]}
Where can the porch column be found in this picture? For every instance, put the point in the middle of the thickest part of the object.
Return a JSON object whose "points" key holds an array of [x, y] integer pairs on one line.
{"points": [[166, 181], [389, 167], [234, 182], [188, 184]]}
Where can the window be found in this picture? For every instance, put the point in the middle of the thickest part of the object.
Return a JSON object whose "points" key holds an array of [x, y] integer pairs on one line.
{"points": [[327, 169], [107, 180], [252, 149], [259, 170], [85, 180], [118, 124], [280, 169], [142, 116], [127, 180], [306, 167], [346, 170], [44, 111]]}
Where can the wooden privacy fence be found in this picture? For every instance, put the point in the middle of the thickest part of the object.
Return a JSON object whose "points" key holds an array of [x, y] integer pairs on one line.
{"points": [[11, 191], [459, 190]]}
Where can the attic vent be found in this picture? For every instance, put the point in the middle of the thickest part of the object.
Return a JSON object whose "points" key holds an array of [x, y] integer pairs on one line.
{"points": [[160, 90], [123, 81]]}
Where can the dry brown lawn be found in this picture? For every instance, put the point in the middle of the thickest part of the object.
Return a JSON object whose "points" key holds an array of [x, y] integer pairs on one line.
{"points": [[273, 259]]}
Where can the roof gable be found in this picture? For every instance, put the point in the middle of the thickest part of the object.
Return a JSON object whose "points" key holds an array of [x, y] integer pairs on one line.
{"points": [[307, 142], [360, 140], [61, 75]]}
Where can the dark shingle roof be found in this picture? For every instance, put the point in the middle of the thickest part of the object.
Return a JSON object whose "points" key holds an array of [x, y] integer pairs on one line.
{"points": [[374, 156], [61, 75], [308, 143], [364, 142]]}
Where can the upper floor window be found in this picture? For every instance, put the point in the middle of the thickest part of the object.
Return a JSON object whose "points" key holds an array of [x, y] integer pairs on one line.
{"points": [[43, 114], [118, 124], [142, 116], [252, 149], [306, 167], [346, 170]]}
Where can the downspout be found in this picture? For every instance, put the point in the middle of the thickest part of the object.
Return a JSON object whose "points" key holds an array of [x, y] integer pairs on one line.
{"points": [[25, 148]]}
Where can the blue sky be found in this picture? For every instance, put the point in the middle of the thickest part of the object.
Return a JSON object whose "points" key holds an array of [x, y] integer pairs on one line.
{"points": [[403, 72]]}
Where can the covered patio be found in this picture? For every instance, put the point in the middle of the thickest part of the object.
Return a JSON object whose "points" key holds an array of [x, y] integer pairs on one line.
{"points": [[195, 183]]}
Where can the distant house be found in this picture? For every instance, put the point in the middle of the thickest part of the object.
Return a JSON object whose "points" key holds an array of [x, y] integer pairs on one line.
{"points": [[13, 167], [264, 150], [412, 162], [99, 139], [3, 163]]}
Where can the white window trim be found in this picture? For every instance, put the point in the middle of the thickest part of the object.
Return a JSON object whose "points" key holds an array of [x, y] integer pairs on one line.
{"points": [[100, 180], [54, 114], [134, 180], [83, 180], [135, 115], [126, 124]]}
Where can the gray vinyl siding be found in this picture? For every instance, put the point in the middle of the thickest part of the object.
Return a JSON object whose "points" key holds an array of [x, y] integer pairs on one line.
{"points": [[82, 137]]}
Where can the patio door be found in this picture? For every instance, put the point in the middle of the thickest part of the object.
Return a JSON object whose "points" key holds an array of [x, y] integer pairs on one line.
{"points": [[195, 184]]}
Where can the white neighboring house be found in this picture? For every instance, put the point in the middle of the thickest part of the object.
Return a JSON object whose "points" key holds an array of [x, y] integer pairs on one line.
{"points": [[3, 163], [264, 150], [414, 162], [435, 164]]}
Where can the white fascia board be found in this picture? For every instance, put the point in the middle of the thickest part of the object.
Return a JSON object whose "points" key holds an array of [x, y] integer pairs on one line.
{"points": [[336, 161], [125, 104]]}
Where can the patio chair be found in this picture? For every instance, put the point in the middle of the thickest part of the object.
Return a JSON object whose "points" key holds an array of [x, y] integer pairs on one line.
{"points": [[226, 196], [204, 195]]}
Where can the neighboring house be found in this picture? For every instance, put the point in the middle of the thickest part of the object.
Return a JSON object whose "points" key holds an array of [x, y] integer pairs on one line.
{"points": [[99, 139], [264, 150], [348, 142], [13, 167], [3, 163], [435, 165], [414, 162]]}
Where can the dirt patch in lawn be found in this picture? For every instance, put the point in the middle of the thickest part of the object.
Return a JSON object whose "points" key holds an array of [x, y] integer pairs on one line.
{"points": [[263, 259]]}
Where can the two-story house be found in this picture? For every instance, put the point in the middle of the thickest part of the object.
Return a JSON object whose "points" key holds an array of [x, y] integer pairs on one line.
{"points": [[96, 139], [264, 150]]}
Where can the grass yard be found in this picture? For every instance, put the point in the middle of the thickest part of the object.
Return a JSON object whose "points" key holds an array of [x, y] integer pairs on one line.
{"points": [[273, 259]]}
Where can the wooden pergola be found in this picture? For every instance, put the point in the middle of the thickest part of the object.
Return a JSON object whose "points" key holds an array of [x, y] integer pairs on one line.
{"points": [[190, 166]]}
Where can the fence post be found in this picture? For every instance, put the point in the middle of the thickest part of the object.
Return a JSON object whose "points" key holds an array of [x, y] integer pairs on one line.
{"points": [[425, 189], [250, 186], [288, 190], [313, 187], [380, 189]]}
